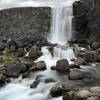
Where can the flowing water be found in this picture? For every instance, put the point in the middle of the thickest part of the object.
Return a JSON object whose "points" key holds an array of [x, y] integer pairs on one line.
{"points": [[19, 89]]}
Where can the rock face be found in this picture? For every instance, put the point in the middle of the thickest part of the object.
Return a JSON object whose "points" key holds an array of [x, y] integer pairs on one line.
{"points": [[25, 20], [87, 19]]}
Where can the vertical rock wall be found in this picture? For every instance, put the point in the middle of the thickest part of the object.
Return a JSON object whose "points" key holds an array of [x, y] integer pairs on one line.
{"points": [[87, 19], [25, 20]]}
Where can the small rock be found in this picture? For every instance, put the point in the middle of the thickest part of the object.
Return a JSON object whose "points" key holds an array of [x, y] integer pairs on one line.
{"points": [[49, 80]]}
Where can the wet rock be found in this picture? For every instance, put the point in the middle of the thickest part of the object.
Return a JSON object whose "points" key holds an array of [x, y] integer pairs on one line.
{"points": [[3, 75], [56, 91], [84, 94], [95, 45], [34, 54], [38, 77], [35, 84], [74, 66], [69, 96], [11, 44], [91, 56], [20, 52], [79, 61], [38, 66], [26, 74], [2, 78], [68, 88], [2, 46], [15, 69], [62, 66], [50, 80], [93, 98], [53, 67], [19, 43], [95, 89], [75, 74], [51, 50]]}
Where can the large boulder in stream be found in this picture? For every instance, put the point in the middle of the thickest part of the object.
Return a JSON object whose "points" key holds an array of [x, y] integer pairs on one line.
{"points": [[62, 66]]}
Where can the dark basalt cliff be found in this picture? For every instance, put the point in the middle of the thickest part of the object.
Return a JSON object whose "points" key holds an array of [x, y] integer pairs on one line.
{"points": [[87, 19], [25, 20]]}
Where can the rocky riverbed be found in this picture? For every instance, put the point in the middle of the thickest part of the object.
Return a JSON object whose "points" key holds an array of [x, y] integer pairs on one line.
{"points": [[79, 80]]}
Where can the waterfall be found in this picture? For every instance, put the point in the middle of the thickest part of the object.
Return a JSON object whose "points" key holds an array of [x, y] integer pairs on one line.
{"points": [[61, 29]]}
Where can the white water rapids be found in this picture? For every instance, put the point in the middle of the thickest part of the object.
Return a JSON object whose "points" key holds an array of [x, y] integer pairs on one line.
{"points": [[19, 89]]}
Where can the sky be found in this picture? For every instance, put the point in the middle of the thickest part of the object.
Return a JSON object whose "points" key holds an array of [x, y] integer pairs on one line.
{"points": [[4, 4]]}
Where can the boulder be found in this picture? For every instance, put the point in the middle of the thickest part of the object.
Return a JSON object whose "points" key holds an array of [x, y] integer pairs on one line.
{"points": [[91, 56], [15, 69], [95, 89], [38, 66], [56, 91], [83, 94], [93, 98], [34, 54], [95, 45], [62, 66], [75, 74], [20, 52], [79, 61]]}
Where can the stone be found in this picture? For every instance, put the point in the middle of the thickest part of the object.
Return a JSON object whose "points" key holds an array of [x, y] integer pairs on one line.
{"points": [[79, 61], [20, 52], [49, 80], [38, 66], [84, 94], [93, 98], [34, 54], [56, 91], [95, 89], [74, 66], [15, 69], [62, 66], [87, 20], [75, 74], [95, 45], [35, 84], [91, 56]]}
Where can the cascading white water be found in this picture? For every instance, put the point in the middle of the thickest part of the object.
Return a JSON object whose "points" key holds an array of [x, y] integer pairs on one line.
{"points": [[19, 89], [61, 24]]}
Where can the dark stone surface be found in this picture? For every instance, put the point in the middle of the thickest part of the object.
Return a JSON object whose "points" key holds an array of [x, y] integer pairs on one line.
{"points": [[25, 20], [87, 19]]}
